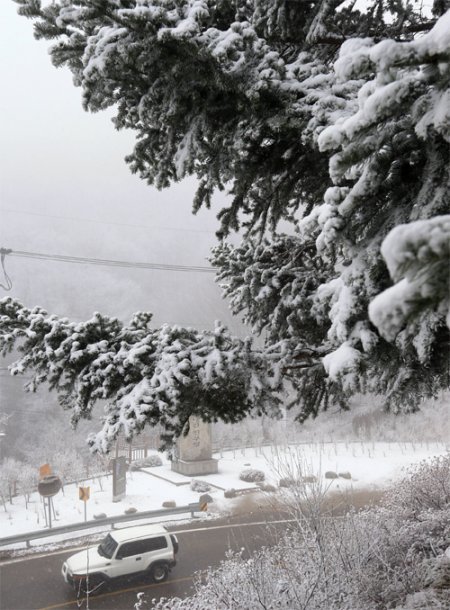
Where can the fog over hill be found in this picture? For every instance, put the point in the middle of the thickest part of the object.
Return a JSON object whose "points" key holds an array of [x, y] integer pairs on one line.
{"points": [[66, 190]]}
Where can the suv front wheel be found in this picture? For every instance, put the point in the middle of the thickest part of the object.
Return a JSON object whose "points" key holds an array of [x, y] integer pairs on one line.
{"points": [[159, 572], [97, 584]]}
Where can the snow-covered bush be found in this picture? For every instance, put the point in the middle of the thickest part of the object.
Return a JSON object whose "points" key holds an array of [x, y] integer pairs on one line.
{"points": [[425, 486], [151, 461], [200, 486], [252, 475], [345, 475], [230, 493], [409, 532], [390, 556], [330, 474], [169, 504], [286, 482], [267, 487]]}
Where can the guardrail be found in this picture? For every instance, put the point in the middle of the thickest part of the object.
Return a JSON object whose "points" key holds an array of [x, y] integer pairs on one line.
{"points": [[75, 527]]}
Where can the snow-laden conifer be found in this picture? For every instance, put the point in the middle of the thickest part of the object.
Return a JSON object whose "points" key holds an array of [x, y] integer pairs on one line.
{"points": [[332, 117]]}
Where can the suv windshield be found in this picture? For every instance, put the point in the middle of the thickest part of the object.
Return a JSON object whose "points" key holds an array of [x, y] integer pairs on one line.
{"points": [[107, 547]]}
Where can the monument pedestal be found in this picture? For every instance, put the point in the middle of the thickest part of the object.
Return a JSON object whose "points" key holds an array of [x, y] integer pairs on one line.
{"points": [[193, 453], [193, 468]]}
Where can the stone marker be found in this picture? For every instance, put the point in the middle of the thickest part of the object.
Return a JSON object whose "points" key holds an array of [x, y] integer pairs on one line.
{"points": [[193, 453]]}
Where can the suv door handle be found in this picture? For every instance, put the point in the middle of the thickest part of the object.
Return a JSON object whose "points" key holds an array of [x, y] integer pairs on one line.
{"points": [[138, 558]]}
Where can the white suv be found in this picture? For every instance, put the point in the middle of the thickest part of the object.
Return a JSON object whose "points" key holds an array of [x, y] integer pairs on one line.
{"points": [[146, 549]]}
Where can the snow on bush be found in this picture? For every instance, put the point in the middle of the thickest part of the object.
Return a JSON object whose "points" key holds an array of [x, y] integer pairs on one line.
{"points": [[251, 475], [390, 556], [169, 504], [267, 487], [287, 482], [200, 486], [230, 493], [151, 461]]}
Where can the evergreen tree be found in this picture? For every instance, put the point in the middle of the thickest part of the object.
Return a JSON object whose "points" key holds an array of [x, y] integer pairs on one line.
{"points": [[313, 112]]}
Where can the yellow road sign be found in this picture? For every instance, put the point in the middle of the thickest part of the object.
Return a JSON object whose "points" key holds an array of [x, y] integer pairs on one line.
{"points": [[204, 507], [84, 493]]}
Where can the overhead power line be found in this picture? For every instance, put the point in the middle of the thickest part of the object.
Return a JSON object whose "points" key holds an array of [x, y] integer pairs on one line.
{"points": [[107, 222], [103, 262]]}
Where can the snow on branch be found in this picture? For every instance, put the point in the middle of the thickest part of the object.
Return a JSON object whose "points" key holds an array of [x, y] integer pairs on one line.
{"points": [[417, 256], [148, 375]]}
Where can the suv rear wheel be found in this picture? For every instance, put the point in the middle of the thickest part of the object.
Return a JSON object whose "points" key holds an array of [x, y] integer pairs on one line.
{"points": [[159, 572]]}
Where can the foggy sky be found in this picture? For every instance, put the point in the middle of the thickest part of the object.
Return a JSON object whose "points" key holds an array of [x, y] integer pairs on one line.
{"points": [[65, 189]]}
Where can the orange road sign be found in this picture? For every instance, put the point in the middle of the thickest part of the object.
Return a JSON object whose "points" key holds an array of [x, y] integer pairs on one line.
{"points": [[204, 507], [83, 493], [44, 470]]}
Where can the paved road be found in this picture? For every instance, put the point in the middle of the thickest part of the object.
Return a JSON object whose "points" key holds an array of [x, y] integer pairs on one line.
{"points": [[36, 582]]}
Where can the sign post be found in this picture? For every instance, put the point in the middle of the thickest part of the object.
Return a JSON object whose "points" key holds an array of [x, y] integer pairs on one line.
{"points": [[203, 502], [83, 494], [48, 486]]}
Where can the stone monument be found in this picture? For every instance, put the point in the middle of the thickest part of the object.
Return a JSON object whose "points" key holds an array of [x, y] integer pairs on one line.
{"points": [[193, 453]]}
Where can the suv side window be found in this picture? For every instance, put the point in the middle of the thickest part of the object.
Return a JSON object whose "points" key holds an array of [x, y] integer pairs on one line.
{"points": [[128, 549], [154, 544], [142, 546]]}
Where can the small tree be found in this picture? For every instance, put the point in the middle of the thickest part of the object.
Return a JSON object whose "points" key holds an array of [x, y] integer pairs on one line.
{"points": [[9, 474], [68, 465], [28, 480]]}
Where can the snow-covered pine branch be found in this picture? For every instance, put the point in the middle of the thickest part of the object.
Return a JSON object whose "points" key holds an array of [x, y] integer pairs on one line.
{"points": [[148, 375]]}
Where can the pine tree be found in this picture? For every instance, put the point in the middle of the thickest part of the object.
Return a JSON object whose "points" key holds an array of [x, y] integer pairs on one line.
{"points": [[334, 119]]}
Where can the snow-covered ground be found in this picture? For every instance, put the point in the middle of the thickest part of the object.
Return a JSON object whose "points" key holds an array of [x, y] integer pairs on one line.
{"points": [[371, 465]]}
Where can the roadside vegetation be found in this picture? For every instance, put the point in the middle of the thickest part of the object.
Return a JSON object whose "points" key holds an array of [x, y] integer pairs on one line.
{"points": [[388, 556]]}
